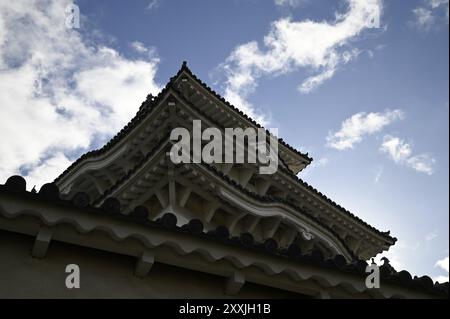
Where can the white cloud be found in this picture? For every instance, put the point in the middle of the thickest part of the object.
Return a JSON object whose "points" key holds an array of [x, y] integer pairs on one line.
{"points": [[398, 150], [441, 279], [320, 47], [398, 254], [153, 4], [288, 3], [47, 169], [424, 17], [401, 152], [393, 255], [60, 91], [422, 163], [139, 47], [437, 3], [359, 125], [430, 14], [312, 82], [378, 173], [315, 81], [443, 264], [431, 236], [321, 162]]}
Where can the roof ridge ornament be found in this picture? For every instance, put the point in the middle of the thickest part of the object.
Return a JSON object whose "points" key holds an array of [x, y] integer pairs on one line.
{"points": [[385, 261]]}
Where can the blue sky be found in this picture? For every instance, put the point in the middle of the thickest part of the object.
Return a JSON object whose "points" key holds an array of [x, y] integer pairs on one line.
{"points": [[375, 119]]}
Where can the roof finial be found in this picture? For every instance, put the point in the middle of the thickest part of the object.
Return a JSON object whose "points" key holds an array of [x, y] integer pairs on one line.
{"points": [[184, 65]]}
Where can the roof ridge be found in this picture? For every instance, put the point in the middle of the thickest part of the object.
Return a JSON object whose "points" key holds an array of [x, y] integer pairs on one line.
{"points": [[184, 67], [401, 278], [145, 108]]}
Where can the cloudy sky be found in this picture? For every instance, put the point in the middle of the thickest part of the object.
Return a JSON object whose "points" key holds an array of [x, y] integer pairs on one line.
{"points": [[362, 85]]}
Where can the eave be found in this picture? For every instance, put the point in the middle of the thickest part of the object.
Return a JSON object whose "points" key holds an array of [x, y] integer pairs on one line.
{"points": [[188, 246]]}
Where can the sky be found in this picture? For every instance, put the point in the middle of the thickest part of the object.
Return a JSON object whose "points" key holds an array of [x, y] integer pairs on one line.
{"points": [[361, 85]]}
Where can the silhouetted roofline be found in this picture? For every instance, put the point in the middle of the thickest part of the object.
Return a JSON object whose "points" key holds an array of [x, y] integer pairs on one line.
{"points": [[49, 193], [147, 106]]}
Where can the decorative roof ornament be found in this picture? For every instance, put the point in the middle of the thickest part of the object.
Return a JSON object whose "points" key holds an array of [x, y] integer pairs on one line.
{"points": [[386, 268], [139, 215]]}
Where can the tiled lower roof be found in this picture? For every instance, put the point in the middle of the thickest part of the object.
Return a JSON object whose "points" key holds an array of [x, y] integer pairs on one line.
{"points": [[49, 193]]}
